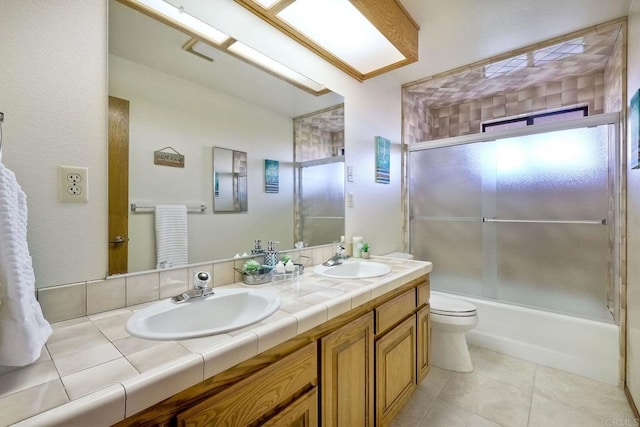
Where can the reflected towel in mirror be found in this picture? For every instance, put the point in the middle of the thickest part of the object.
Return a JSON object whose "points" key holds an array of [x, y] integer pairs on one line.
{"points": [[172, 246]]}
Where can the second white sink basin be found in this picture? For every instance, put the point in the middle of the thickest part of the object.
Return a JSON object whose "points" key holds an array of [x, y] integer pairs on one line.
{"points": [[354, 270], [225, 310]]}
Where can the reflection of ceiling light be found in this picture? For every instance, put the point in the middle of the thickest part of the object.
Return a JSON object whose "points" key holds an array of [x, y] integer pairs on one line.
{"points": [[206, 38], [269, 64], [178, 18], [361, 38]]}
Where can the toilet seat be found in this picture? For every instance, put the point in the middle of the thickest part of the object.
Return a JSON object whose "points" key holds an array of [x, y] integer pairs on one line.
{"points": [[453, 307]]}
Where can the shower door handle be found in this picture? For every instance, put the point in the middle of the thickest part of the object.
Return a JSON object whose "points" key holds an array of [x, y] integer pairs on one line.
{"points": [[549, 221]]}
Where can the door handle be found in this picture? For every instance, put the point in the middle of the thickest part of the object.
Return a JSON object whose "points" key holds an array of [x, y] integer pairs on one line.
{"points": [[118, 240]]}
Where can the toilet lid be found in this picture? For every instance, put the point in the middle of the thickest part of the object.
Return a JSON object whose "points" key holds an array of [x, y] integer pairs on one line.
{"points": [[441, 304]]}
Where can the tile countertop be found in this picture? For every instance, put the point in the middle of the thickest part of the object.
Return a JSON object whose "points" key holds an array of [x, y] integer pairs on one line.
{"points": [[92, 372]]}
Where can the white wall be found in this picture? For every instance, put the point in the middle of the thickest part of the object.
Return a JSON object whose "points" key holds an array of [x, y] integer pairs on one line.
{"points": [[53, 91], [168, 111], [633, 219]]}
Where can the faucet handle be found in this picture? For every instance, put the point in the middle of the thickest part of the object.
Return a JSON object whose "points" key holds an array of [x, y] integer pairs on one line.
{"points": [[201, 280], [341, 251]]}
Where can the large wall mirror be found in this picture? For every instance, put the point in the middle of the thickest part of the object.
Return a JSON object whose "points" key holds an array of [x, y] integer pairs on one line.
{"points": [[229, 180], [182, 100]]}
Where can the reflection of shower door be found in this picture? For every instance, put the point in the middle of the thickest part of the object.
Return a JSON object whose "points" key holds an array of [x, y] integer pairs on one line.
{"points": [[321, 202], [527, 220]]}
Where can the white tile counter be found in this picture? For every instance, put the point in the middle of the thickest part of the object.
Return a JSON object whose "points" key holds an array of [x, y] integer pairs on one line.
{"points": [[92, 372]]}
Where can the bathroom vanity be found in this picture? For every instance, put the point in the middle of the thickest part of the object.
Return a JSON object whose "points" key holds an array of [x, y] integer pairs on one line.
{"points": [[356, 369], [337, 352]]}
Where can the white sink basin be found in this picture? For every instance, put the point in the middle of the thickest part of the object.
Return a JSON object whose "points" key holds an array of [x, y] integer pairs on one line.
{"points": [[354, 270], [225, 310]]}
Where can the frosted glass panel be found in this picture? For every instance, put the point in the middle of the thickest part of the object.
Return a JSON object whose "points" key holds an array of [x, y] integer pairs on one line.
{"points": [[558, 176], [322, 203], [455, 249], [562, 267], [447, 182]]}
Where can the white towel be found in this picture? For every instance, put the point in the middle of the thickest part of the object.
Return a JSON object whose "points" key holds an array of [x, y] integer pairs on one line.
{"points": [[23, 328], [172, 246]]}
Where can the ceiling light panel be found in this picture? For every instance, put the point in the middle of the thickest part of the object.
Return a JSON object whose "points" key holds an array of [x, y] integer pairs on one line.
{"points": [[363, 38], [341, 29]]}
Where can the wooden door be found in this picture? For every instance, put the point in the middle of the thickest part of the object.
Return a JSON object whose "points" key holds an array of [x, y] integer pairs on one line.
{"points": [[347, 375], [118, 185], [395, 370]]}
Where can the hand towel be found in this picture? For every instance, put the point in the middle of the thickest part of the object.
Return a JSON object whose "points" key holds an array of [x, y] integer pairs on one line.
{"points": [[172, 246], [23, 328]]}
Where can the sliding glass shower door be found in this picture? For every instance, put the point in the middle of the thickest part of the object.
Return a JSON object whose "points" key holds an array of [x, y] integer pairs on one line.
{"points": [[525, 220]]}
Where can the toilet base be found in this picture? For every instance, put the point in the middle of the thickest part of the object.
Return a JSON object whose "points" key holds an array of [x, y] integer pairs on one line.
{"points": [[449, 351]]}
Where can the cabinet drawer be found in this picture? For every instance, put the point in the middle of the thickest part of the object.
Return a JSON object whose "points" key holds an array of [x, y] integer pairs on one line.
{"points": [[257, 395], [391, 312], [301, 413], [423, 294]]}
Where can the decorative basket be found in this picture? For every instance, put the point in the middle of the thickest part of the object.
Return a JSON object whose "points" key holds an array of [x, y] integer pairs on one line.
{"points": [[260, 277]]}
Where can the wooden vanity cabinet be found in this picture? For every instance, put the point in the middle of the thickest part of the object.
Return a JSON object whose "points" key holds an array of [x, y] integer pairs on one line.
{"points": [[357, 369], [347, 374], [268, 396]]}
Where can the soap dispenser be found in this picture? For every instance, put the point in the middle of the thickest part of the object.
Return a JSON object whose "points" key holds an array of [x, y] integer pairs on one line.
{"points": [[271, 255]]}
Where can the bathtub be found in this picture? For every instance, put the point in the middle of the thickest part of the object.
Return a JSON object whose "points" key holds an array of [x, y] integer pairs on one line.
{"points": [[585, 347]]}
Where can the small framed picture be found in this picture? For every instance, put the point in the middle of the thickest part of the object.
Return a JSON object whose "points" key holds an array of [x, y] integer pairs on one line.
{"points": [[271, 176], [383, 160]]}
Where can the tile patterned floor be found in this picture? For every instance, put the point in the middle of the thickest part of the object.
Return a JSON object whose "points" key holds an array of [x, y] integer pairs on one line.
{"points": [[505, 391]]}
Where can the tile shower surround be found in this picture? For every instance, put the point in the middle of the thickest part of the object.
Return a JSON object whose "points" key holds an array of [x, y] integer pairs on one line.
{"points": [[81, 299]]}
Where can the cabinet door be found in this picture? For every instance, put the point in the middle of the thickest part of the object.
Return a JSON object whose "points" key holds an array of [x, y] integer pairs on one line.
{"points": [[301, 413], [347, 375], [395, 369], [424, 329]]}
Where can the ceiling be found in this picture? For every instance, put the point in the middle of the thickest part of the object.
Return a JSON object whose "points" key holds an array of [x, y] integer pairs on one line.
{"points": [[452, 35]]}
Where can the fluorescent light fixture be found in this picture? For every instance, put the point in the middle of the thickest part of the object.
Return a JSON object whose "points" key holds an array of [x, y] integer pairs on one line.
{"points": [[341, 29], [207, 40], [273, 66], [177, 17], [363, 38]]}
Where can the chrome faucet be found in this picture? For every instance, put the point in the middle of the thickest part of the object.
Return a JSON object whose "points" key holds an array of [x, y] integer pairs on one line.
{"points": [[337, 259], [200, 288]]}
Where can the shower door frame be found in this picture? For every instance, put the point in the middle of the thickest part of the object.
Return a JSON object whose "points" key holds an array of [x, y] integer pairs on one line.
{"points": [[617, 175]]}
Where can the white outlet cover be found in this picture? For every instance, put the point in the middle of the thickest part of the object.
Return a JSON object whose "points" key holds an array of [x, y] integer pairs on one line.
{"points": [[73, 184]]}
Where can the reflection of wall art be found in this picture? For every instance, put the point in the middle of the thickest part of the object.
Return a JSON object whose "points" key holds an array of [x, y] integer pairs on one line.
{"points": [[216, 185], [383, 160], [634, 129], [271, 176]]}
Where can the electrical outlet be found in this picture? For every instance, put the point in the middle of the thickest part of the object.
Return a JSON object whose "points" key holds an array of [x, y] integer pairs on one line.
{"points": [[73, 184]]}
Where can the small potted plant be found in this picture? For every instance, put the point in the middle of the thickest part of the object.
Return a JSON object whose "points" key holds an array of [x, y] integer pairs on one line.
{"points": [[365, 250]]}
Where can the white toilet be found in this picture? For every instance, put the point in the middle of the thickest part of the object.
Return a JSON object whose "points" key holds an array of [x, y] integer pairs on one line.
{"points": [[450, 319]]}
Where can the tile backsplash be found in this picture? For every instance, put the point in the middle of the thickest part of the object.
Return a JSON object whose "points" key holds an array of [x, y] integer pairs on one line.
{"points": [[81, 299]]}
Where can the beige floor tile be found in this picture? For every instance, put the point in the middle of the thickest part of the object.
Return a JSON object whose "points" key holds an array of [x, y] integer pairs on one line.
{"points": [[501, 367], [547, 412], [444, 414], [489, 398], [422, 398], [580, 392]]}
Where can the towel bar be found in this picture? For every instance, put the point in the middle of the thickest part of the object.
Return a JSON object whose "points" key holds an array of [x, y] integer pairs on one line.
{"points": [[140, 208]]}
